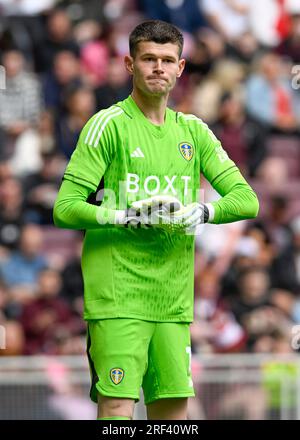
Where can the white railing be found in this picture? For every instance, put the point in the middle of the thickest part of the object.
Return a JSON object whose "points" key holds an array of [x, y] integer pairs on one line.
{"points": [[243, 386], [248, 386]]}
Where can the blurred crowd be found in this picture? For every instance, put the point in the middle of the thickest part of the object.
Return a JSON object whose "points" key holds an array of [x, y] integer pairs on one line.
{"points": [[63, 62]]}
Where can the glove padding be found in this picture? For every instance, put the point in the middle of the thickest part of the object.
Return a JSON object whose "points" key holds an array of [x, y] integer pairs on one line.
{"points": [[168, 213], [184, 220], [147, 212]]}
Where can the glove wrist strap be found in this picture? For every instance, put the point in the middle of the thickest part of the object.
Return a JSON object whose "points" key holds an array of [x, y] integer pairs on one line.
{"points": [[209, 213]]}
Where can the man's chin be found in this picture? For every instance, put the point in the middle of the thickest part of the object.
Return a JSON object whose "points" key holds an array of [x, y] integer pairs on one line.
{"points": [[158, 91]]}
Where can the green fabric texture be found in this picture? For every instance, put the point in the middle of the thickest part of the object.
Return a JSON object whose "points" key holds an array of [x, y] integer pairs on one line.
{"points": [[73, 212], [239, 201], [158, 349], [143, 273]]}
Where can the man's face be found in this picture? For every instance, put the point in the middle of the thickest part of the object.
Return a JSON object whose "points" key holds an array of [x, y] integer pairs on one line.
{"points": [[13, 62], [155, 67]]}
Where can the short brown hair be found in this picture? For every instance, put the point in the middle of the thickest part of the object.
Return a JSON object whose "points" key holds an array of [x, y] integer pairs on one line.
{"points": [[157, 31]]}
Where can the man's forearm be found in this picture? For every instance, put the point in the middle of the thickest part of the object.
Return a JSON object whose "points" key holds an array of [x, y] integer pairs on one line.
{"points": [[239, 201], [71, 211]]}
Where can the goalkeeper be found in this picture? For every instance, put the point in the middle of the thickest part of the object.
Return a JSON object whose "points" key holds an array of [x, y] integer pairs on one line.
{"points": [[138, 253]]}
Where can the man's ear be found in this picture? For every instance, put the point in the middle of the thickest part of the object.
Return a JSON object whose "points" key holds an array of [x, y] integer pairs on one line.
{"points": [[181, 66], [128, 61]]}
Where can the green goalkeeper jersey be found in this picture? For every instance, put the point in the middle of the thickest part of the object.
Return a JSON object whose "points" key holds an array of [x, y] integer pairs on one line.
{"points": [[143, 273]]}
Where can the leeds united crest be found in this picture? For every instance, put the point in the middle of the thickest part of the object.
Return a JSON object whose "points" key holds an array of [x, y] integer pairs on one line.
{"points": [[186, 150], [116, 375]]}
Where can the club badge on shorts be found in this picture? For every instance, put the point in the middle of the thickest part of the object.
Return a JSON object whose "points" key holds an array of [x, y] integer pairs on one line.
{"points": [[186, 150], [116, 375]]}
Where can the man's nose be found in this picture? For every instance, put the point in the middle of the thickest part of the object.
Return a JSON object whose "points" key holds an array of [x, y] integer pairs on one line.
{"points": [[158, 66]]}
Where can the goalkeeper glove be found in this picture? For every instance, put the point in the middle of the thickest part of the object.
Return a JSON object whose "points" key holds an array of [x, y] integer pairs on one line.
{"points": [[162, 211], [170, 214], [146, 212], [186, 219]]}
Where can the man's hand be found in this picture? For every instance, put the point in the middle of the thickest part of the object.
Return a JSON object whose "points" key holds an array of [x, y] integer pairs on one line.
{"points": [[168, 213], [186, 219], [148, 212]]}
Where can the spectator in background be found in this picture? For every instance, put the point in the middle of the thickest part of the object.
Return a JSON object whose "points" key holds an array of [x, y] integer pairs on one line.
{"points": [[119, 30], [22, 24], [276, 220], [228, 17], [14, 338], [185, 14], [213, 42], [2, 143], [244, 49], [41, 189], [4, 300], [72, 287], [79, 107], [47, 316], [245, 256], [11, 213], [199, 62], [270, 98], [116, 87], [286, 267], [261, 234], [270, 21], [24, 7], [226, 76], [20, 102], [290, 46], [253, 248], [31, 145], [253, 291], [214, 328], [94, 53], [59, 38], [273, 172], [253, 308], [114, 10], [5, 171], [288, 303], [20, 269], [65, 73], [242, 138], [10, 309]]}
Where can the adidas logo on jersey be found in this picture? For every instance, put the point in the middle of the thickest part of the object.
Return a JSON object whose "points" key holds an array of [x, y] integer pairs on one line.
{"points": [[137, 153]]}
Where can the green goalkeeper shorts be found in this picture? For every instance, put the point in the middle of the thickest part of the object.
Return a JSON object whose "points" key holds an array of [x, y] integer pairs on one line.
{"points": [[127, 354]]}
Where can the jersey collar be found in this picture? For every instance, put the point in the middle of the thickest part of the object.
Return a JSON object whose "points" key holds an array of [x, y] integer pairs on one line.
{"points": [[157, 130]]}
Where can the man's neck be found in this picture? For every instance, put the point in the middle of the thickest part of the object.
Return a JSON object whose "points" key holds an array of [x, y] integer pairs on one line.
{"points": [[153, 107]]}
